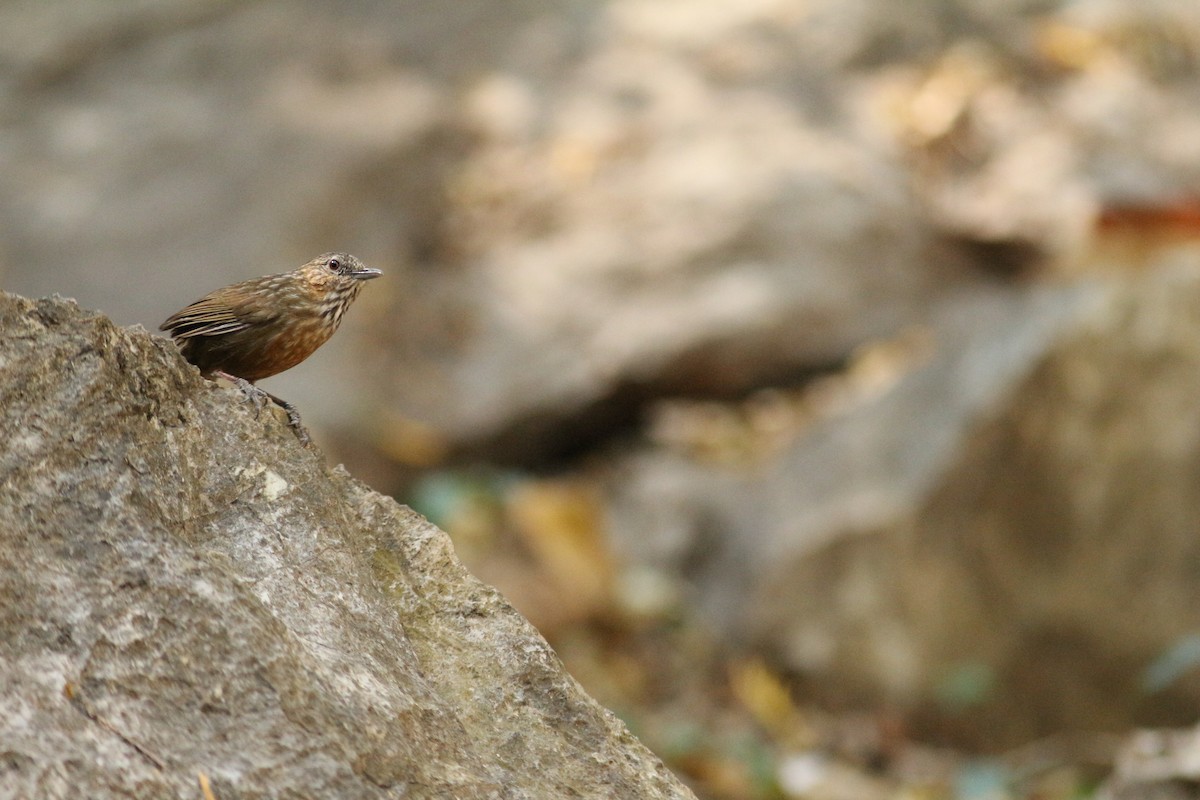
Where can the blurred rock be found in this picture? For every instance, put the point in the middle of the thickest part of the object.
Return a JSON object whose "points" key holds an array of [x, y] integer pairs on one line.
{"points": [[579, 206], [185, 591], [1001, 544], [688, 205], [150, 152], [1156, 765]]}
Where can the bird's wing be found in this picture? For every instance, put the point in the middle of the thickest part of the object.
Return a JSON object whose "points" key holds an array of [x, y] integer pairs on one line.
{"points": [[211, 316]]}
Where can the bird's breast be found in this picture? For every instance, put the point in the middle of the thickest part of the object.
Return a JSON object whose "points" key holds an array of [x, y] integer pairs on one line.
{"points": [[298, 340], [335, 303]]}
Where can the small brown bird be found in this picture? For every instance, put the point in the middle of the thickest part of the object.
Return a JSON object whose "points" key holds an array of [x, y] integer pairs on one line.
{"points": [[261, 327]]}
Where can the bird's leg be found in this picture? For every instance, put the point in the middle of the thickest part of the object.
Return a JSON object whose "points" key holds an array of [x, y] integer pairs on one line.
{"points": [[259, 398], [293, 417], [252, 393]]}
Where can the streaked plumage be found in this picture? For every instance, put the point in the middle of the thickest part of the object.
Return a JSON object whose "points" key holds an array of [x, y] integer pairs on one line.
{"points": [[260, 327]]}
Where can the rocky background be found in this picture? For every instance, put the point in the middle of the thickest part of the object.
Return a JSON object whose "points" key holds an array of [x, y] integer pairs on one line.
{"points": [[820, 377]]}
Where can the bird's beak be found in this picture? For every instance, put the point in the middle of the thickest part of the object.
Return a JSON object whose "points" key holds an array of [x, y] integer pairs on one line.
{"points": [[366, 273]]}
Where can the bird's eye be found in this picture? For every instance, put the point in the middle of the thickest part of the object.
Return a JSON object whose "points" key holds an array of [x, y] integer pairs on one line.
{"points": [[334, 264]]}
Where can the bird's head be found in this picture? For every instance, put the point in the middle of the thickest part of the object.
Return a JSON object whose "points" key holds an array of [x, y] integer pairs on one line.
{"points": [[333, 270], [336, 278]]}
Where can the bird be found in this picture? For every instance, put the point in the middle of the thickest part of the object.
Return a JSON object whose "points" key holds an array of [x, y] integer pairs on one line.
{"points": [[260, 327]]}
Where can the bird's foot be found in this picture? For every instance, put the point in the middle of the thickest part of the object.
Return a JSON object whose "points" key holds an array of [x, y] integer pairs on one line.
{"points": [[293, 419], [252, 394], [259, 398]]}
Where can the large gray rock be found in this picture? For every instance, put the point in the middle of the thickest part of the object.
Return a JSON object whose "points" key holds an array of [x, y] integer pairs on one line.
{"points": [[185, 589], [1000, 544]]}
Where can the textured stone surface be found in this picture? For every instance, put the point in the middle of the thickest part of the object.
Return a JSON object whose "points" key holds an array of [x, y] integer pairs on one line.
{"points": [[184, 589]]}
